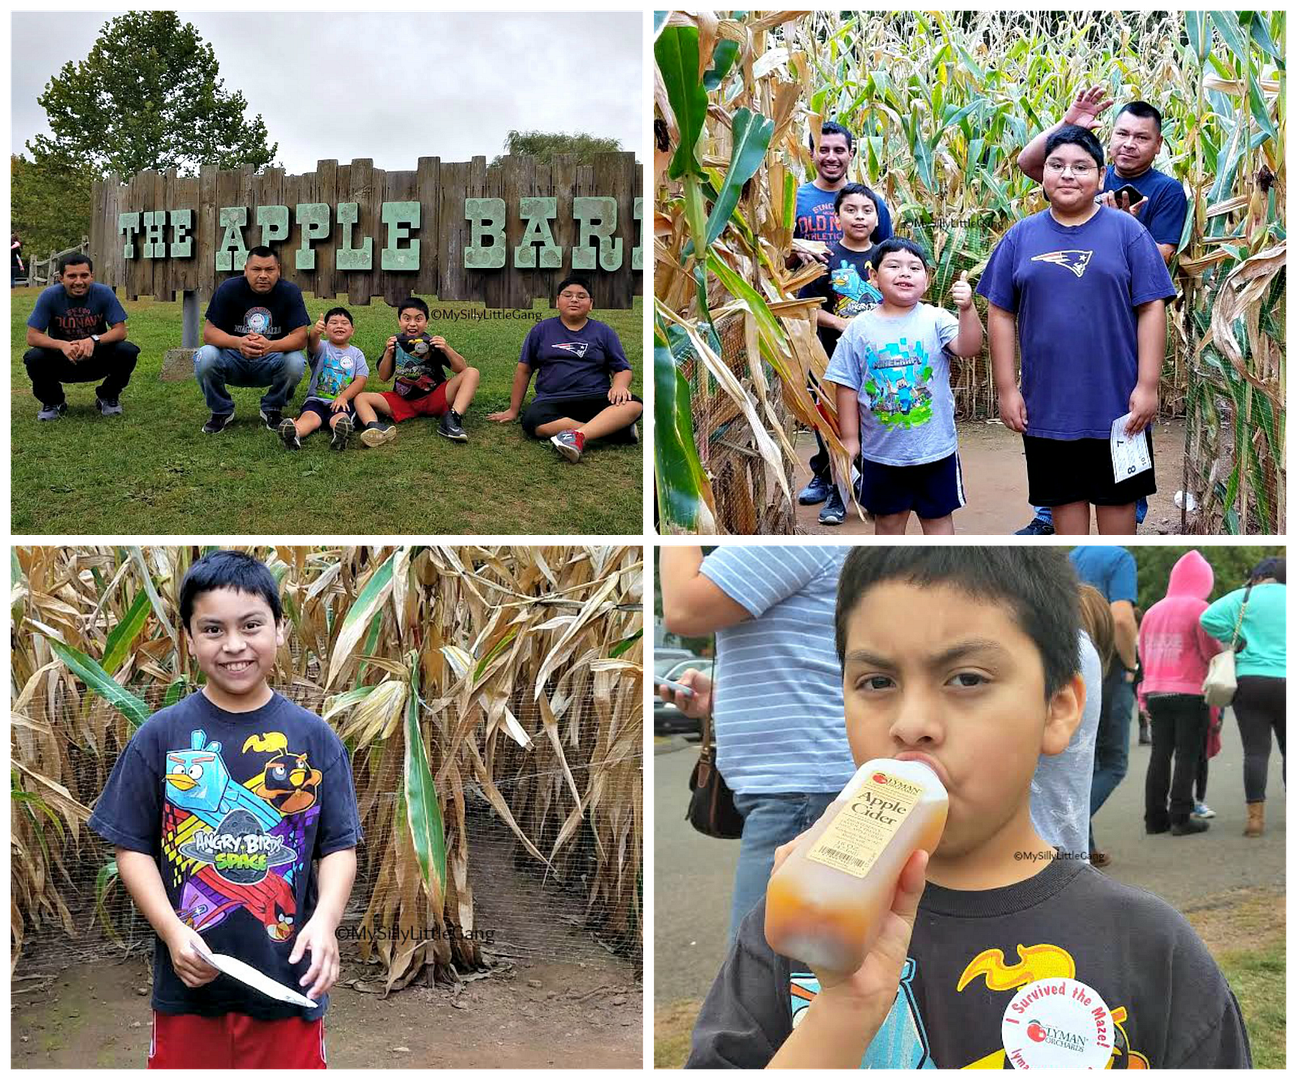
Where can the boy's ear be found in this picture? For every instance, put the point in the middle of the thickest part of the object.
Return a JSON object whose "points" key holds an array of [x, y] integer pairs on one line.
{"points": [[1066, 708], [279, 634]]}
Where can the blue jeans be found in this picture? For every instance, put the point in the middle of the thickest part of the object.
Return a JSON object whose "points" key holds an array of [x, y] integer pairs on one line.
{"points": [[1044, 513], [768, 821], [217, 368], [1112, 741]]}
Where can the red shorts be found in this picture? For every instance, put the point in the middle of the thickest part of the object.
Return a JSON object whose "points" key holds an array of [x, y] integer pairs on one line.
{"points": [[431, 404], [235, 1041]]}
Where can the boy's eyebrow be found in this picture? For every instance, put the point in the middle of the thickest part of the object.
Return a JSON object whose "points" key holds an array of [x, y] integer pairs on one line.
{"points": [[955, 652], [253, 613]]}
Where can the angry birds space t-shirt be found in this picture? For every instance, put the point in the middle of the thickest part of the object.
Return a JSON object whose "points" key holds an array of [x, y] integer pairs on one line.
{"points": [[234, 807]]}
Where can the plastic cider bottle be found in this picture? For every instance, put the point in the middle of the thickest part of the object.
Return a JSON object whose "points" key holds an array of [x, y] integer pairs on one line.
{"points": [[825, 902]]}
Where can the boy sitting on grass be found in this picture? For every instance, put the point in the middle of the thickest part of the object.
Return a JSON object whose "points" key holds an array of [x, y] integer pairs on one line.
{"points": [[978, 688], [892, 365], [421, 388], [338, 374]]}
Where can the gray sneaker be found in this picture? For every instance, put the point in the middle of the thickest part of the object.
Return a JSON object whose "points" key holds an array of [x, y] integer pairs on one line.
{"points": [[341, 432], [377, 433], [109, 406], [288, 434], [53, 412]]}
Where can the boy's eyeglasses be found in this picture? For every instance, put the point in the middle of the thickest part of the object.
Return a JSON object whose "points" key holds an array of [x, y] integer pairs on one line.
{"points": [[1079, 171]]}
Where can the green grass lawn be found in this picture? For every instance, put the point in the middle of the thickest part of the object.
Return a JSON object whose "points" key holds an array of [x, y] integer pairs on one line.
{"points": [[152, 471]]}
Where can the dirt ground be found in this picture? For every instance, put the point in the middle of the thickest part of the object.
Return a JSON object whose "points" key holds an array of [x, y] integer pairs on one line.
{"points": [[556, 999], [995, 484], [532, 1016]]}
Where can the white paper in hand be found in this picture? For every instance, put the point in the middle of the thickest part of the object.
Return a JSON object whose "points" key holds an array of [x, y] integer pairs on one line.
{"points": [[250, 976], [1130, 455]]}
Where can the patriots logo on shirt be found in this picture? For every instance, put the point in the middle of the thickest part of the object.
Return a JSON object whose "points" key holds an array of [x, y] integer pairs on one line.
{"points": [[1076, 261], [578, 348]]}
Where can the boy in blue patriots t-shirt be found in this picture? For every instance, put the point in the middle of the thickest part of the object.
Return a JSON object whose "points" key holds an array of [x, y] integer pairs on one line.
{"points": [[582, 379], [1081, 290]]}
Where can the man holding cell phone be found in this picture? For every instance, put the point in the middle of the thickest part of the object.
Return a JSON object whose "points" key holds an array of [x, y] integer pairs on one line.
{"points": [[1154, 199]]}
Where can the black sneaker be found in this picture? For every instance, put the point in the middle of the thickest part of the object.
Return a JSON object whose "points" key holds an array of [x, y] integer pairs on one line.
{"points": [[341, 432], [218, 422], [52, 412], [1188, 827], [108, 406], [451, 427], [1036, 527], [815, 492], [288, 434], [834, 513], [273, 418], [377, 433]]}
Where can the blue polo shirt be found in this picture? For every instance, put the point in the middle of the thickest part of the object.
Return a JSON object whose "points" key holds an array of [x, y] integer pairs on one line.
{"points": [[1164, 213]]}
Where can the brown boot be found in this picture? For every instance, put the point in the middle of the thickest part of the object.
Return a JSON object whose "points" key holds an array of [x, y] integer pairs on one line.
{"points": [[1255, 819]]}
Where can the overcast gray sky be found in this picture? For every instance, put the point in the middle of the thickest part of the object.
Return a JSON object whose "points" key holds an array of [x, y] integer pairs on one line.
{"points": [[385, 86]]}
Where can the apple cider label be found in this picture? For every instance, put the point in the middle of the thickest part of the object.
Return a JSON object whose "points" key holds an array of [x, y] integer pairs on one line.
{"points": [[857, 835]]}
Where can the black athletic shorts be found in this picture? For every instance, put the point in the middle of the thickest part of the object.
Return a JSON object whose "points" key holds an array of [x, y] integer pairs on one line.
{"points": [[1062, 471], [547, 410]]}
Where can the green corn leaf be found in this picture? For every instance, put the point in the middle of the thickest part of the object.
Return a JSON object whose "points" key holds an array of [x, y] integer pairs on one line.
{"points": [[174, 693], [123, 635], [681, 484], [137, 554], [368, 603], [676, 52], [103, 684], [1231, 32], [751, 134], [626, 643], [422, 809], [1198, 31], [723, 57], [1261, 35], [104, 881], [1259, 111]]}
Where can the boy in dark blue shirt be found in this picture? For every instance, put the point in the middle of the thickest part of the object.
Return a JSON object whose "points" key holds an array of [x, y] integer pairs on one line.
{"points": [[218, 808], [582, 378], [1078, 264]]}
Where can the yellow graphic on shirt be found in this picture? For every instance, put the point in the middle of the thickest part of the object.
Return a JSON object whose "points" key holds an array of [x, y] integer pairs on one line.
{"points": [[1073, 260], [1036, 962]]}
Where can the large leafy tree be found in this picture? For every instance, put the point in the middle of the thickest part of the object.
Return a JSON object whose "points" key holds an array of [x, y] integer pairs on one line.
{"points": [[50, 205], [149, 96]]}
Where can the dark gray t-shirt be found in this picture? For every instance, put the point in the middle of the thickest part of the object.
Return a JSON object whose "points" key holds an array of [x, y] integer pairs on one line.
{"points": [[235, 808], [972, 952]]}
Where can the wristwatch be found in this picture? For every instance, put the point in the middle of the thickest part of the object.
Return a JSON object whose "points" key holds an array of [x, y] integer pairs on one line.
{"points": [[94, 338]]}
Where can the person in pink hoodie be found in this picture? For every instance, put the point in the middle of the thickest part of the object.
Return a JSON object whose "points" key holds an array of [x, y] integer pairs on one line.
{"points": [[1175, 651]]}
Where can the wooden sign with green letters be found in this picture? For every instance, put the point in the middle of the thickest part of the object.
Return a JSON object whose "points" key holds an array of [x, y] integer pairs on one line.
{"points": [[503, 234]]}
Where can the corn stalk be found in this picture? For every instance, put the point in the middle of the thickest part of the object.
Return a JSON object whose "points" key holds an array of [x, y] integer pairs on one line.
{"points": [[511, 675]]}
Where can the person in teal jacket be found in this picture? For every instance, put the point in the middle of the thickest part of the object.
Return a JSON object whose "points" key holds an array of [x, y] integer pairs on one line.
{"points": [[1260, 665]]}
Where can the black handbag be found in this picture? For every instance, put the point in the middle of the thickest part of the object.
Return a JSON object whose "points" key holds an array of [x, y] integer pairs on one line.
{"points": [[711, 804]]}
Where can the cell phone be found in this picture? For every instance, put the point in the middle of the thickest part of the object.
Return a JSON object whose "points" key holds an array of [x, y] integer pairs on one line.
{"points": [[679, 688], [1130, 191]]}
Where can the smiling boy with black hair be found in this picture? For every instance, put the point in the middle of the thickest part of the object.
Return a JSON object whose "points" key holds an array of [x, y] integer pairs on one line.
{"points": [[218, 808], [978, 688]]}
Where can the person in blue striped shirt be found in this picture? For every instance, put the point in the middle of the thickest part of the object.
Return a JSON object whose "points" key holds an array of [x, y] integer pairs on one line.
{"points": [[777, 704]]}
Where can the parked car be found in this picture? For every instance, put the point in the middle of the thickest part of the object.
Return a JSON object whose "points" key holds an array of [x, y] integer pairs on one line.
{"points": [[665, 659], [667, 719]]}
